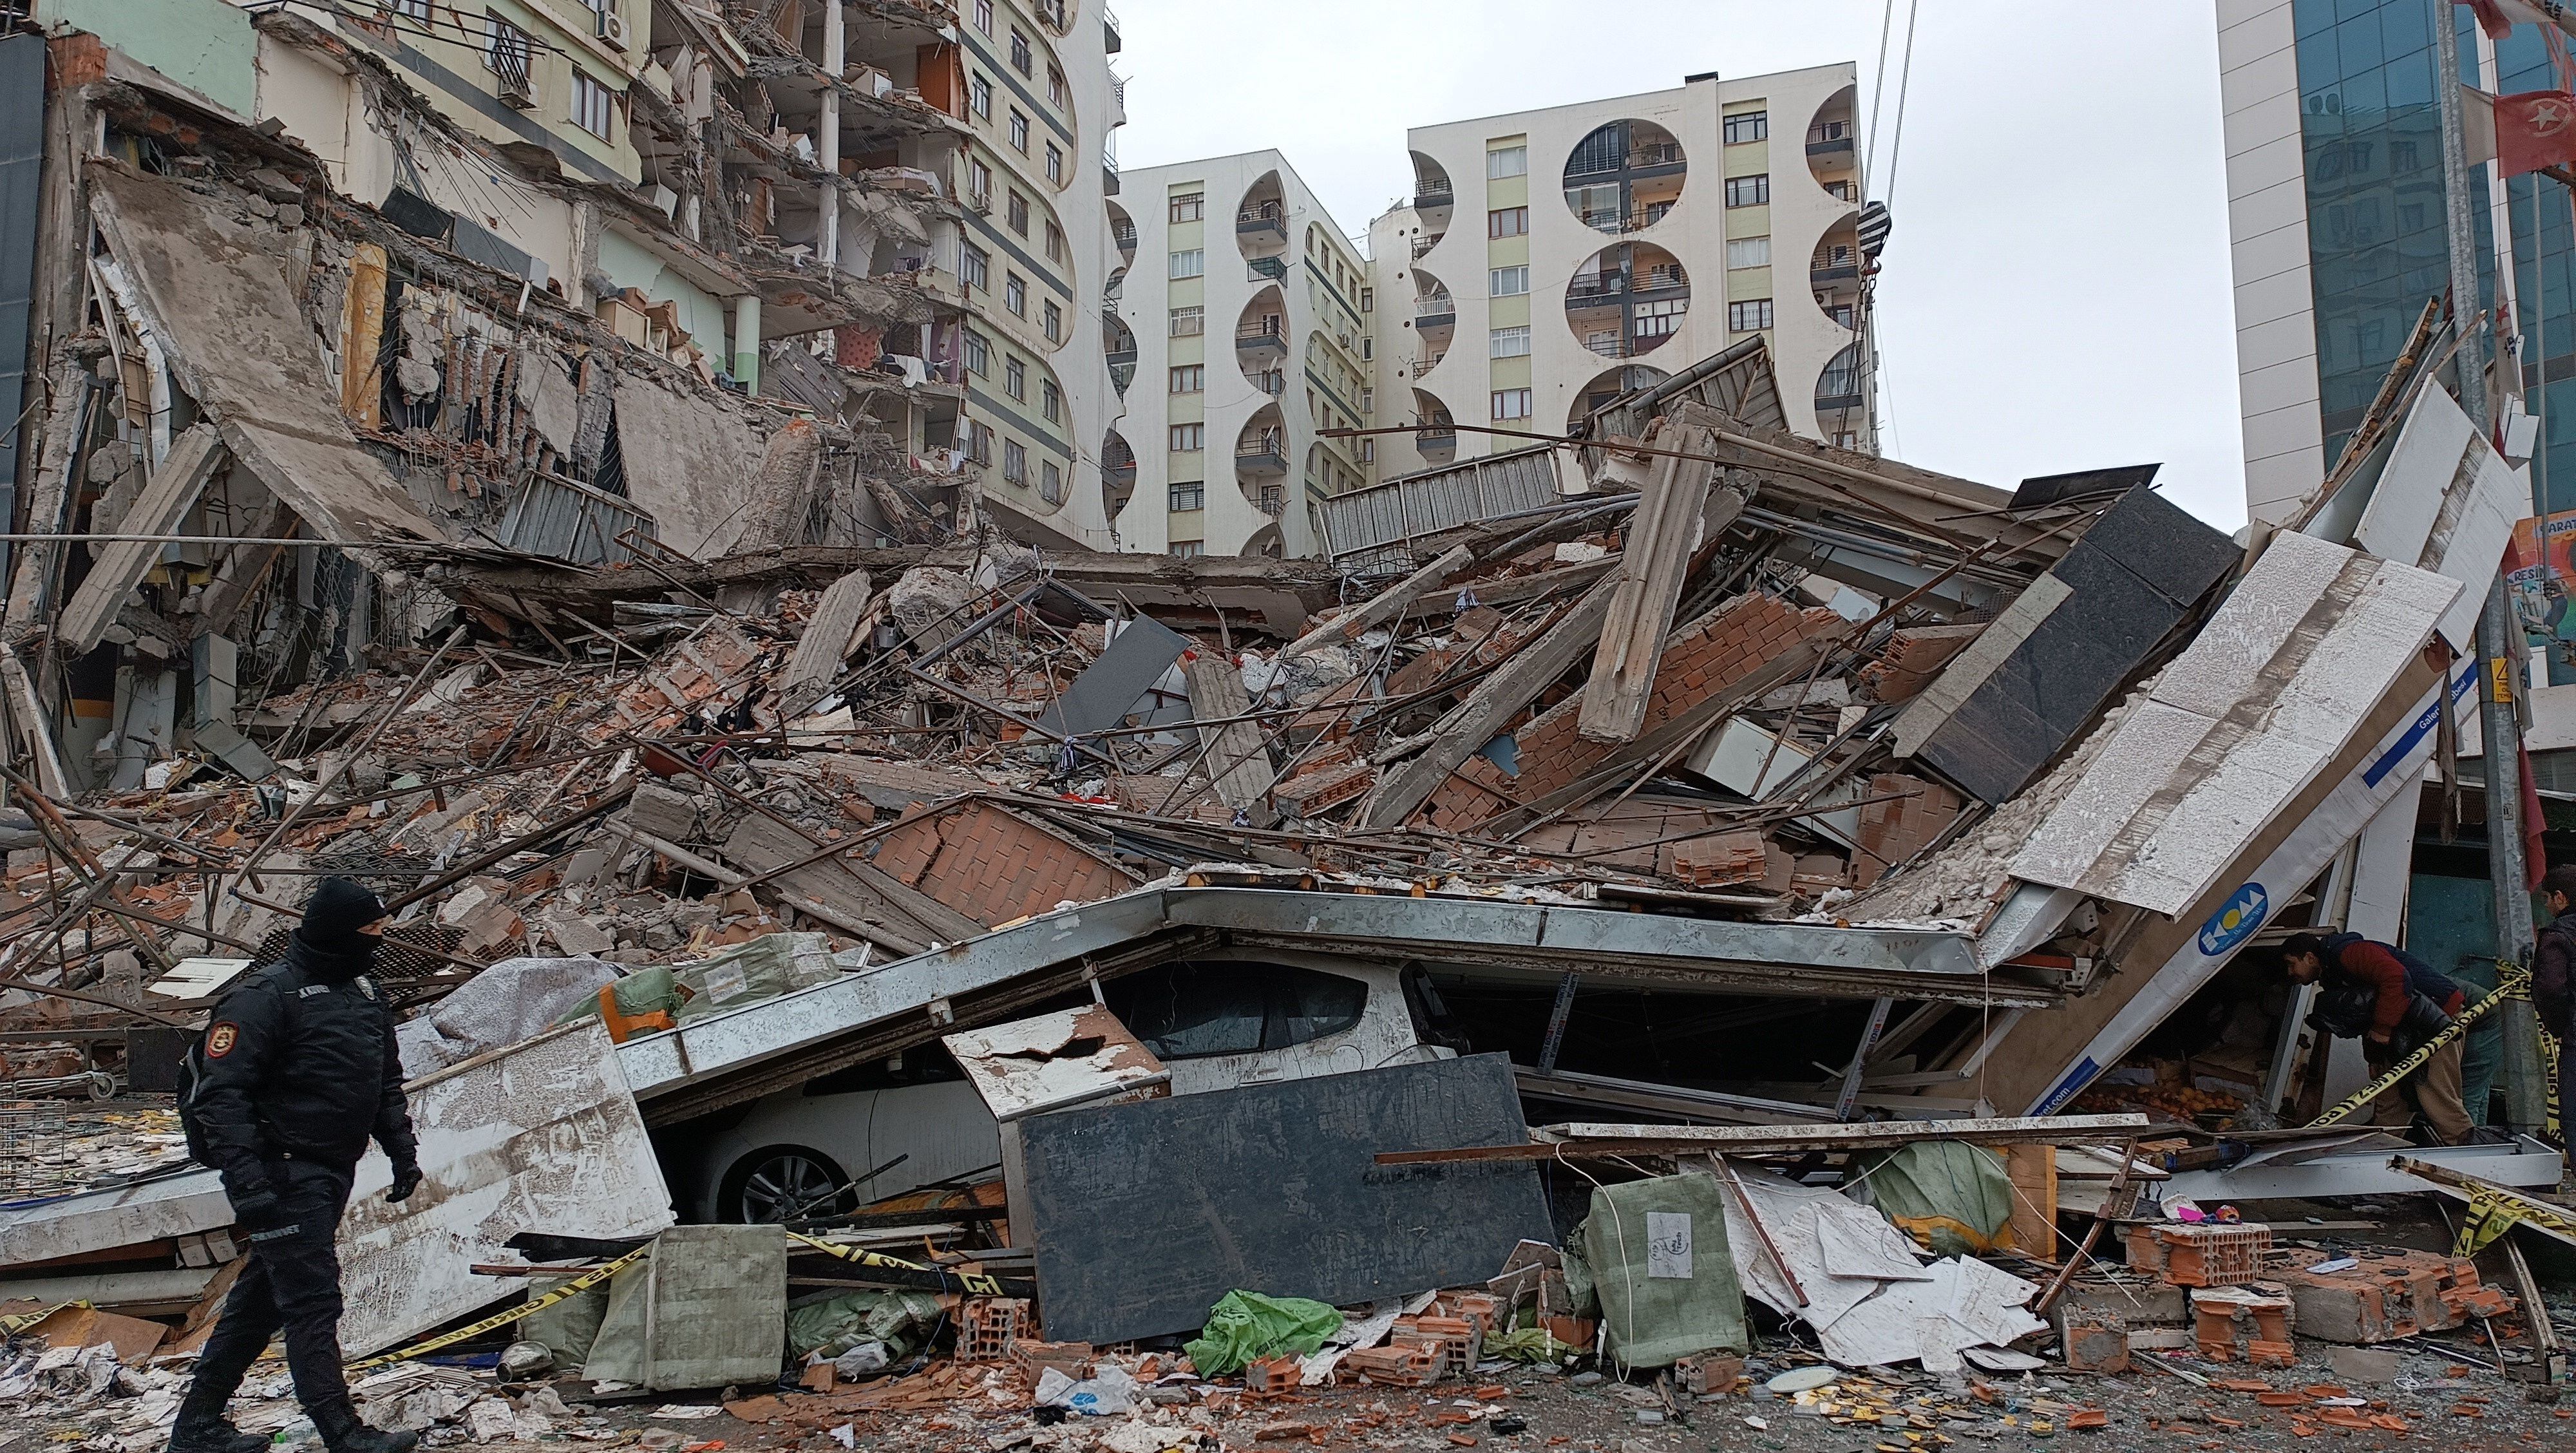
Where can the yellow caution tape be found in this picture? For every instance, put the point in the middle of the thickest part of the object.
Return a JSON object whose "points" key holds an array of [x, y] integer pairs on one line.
{"points": [[2513, 981], [979, 1284], [17, 1322], [530, 1308], [2494, 1211]]}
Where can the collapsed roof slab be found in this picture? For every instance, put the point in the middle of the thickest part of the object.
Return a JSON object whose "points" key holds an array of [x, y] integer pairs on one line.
{"points": [[731, 1058]]}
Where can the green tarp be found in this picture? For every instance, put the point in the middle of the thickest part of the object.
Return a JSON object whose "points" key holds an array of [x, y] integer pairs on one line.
{"points": [[1954, 1199], [1245, 1327], [1660, 1264]]}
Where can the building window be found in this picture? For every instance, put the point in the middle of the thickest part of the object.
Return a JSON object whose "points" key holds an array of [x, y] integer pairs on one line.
{"points": [[1507, 161], [1015, 379], [1511, 403], [1021, 58], [1368, 348], [974, 266], [1188, 549], [1055, 87], [1189, 438], [1054, 242], [1015, 294], [1189, 206], [594, 106], [409, 9], [1507, 222], [1192, 263], [1189, 378], [979, 354], [1368, 300], [979, 95], [1749, 126], [1507, 282], [984, 16], [1748, 252], [1050, 400], [1050, 483], [1188, 322], [1054, 322], [1019, 131], [1752, 191], [506, 52], [1751, 316], [979, 443], [1015, 462], [979, 184], [1017, 214], [1055, 163], [1191, 495], [1511, 343]]}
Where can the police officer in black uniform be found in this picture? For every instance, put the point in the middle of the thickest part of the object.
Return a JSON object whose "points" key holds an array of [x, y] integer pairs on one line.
{"points": [[299, 1068]]}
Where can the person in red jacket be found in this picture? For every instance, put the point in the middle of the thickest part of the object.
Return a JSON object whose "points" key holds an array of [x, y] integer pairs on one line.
{"points": [[2408, 1002], [2553, 980]]}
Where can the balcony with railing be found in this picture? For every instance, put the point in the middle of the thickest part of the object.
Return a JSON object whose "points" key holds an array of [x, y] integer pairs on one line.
{"points": [[1649, 158], [1830, 138], [1262, 222], [1263, 451], [1117, 463], [1431, 195], [1435, 313], [1842, 385], [1266, 269], [1422, 366], [1271, 381], [1271, 500], [1832, 159], [1262, 335], [1109, 31], [1122, 235]]}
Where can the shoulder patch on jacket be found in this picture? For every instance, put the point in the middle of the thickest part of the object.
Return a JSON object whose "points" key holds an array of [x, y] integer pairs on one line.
{"points": [[220, 1040]]}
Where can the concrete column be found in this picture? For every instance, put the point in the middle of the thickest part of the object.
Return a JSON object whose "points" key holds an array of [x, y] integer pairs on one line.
{"points": [[828, 146], [746, 341]]}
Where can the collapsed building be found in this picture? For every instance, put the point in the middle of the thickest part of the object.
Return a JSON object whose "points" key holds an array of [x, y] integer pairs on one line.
{"points": [[723, 757]]}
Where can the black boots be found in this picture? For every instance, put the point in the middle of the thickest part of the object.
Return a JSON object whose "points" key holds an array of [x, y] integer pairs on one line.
{"points": [[202, 1427], [343, 1432]]}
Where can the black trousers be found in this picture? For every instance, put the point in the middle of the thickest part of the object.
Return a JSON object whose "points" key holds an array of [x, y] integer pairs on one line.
{"points": [[291, 1285]]}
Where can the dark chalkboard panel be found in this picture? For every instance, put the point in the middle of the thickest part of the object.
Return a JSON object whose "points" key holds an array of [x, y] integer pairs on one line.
{"points": [[1146, 1213]]}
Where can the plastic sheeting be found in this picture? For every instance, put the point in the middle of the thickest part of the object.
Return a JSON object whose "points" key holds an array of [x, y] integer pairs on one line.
{"points": [[1245, 1327], [1953, 1198]]}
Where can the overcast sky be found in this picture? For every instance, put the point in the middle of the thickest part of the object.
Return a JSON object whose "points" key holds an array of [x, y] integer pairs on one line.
{"points": [[2056, 294]]}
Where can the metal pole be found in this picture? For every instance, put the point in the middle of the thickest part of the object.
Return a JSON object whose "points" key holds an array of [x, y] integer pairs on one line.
{"points": [[2499, 637]]}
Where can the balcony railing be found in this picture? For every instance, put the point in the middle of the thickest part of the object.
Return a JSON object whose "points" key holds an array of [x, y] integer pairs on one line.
{"points": [[1423, 366], [1273, 382], [1635, 158], [1265, 334], [1270, 269], [1827, 137], [1422, 245], [1273, 500], [1833, 264], [1427, 195], [1109, 30], [1436, 436], [1437, 312], [1596, 285], [1124, 238]]}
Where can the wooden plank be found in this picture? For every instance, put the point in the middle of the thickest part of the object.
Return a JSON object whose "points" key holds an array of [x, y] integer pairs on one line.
{"points": [[1587, 1139], [2033, 1169], [1238, 755], [826, 642], [1474, 721], [1656, 551], [1385, 605], [362, 338], [853, 889], [2558, 1223], [174, 486]]}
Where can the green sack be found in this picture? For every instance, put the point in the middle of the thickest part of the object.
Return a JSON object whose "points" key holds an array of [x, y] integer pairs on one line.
{"points": [[1245, 1327], [834, 1324], [1953, 1198], [1661, 1266]]}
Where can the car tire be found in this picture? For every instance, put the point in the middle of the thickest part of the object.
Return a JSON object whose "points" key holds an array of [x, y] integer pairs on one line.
{"points": [[763, 1187]]}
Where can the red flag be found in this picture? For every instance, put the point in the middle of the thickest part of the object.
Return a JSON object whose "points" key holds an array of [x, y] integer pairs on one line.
{"points": [[2498, 17], [2535, 129]]}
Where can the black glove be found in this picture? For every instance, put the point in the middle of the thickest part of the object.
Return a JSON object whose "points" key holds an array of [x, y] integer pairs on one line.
{"points": [[258, 1211], [406, 1181]]}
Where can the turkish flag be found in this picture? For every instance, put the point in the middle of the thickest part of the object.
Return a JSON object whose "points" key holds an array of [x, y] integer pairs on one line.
{"points": [[2535, 129]]}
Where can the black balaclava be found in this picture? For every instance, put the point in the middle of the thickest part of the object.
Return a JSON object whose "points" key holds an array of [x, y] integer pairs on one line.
{"points": [[329, 933]]}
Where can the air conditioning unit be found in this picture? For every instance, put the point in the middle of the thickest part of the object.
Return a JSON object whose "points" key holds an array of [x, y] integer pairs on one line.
{"points": [[518, 91], [612, 29], [980, 202]]}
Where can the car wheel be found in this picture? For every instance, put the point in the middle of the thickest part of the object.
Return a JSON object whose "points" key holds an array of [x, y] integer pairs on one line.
{"points": [[780, 1183]]}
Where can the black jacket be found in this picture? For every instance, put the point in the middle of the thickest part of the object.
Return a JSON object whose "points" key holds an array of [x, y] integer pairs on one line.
{"points": [[301, 1061], [2553, 977]]}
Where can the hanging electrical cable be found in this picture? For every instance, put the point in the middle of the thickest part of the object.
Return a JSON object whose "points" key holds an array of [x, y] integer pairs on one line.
{"points": [[1896, 131], [1877, 89]]}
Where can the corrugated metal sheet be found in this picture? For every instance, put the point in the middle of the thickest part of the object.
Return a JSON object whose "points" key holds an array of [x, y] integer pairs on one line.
{"points": [[22, 157], [562, 520], [1366, 526]]}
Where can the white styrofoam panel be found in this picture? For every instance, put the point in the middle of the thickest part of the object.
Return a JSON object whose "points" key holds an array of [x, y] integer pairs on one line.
{"points": [[2418, 477], [2468, 543], [2246, 635], [2266, 695], [2553, 719]]}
